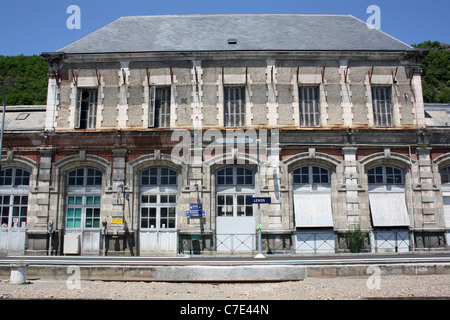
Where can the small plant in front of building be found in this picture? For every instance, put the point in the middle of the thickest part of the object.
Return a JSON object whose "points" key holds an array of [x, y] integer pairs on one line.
{"points": [[355, 239]]}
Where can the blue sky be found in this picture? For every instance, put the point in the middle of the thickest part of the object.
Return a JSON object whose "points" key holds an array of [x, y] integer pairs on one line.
{"points": [[32, 27]]}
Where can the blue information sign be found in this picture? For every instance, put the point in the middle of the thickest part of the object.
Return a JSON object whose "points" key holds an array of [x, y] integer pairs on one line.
{"points": [[195, 213], [259, 200], [195, 207]]}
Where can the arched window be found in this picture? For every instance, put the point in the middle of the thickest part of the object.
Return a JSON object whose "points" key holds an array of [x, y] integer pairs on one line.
{"points": [[158, 176], [235, 176], [84, 192], [385, 175], [310, 175], [231, 199], [387, 197], [312, 197], [158, 198], [85, 177], [445, 175]]}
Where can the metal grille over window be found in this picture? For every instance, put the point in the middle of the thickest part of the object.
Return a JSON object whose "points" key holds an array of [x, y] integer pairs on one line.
{"points": [[382, 106], [309, 106], [234, 106]]}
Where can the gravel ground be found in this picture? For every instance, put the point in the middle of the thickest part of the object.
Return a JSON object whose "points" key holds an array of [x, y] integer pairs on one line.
{"points": [[341, 288]]}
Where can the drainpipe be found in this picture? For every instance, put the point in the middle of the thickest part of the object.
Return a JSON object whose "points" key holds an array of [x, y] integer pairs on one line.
{"points": [[3, 126], [412, 199]]}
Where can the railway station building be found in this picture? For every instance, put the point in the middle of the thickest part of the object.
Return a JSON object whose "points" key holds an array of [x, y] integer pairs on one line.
{"points": [[160, 131]]}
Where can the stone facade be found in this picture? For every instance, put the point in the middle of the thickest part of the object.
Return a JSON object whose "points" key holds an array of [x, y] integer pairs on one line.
{"points": [[122, 144]]}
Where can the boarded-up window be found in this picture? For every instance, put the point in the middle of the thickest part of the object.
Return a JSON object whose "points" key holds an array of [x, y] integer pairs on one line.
{"points": [[387, 197], [312, 197]]}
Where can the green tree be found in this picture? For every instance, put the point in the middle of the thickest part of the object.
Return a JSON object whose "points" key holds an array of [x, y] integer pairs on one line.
{"points": [[24, 79], [436, 72]]}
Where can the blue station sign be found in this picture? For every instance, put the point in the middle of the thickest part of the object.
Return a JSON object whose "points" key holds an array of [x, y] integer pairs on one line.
{"points": [[195, 207], [253, 200], [195, 213]]}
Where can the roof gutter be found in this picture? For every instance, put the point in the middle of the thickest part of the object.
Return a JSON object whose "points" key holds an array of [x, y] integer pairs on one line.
{"points": [[246, 54]]}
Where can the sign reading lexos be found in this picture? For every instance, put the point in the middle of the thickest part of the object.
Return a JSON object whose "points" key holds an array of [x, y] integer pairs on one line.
{"points": [[253, 200]]}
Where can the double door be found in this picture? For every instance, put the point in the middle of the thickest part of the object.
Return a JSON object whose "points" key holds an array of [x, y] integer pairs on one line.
{"points": [[235, 223], [13, 216], [83, 222], [158, 232]]}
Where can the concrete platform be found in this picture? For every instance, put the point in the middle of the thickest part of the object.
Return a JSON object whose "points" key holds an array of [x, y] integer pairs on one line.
{"points": [[248, 273]]}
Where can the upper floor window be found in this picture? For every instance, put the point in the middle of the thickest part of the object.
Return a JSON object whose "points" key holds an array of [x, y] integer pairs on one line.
{"points": [[234, 106], [445, 174], [310, 175], [86, 109], [382, 106], [85, 177], [14, 177], [159, 108], [385, 175], [309, 106]]}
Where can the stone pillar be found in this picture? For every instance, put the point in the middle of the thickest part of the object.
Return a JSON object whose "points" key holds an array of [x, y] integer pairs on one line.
{"points": [[428, 193], [353, 190]]}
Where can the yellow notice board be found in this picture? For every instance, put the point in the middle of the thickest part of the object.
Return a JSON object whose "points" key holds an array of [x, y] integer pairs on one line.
{"points": [[116, 220]]}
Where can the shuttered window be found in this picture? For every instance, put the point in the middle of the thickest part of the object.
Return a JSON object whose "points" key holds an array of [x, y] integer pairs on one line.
{"points": [[86, 109], [159, 107]]}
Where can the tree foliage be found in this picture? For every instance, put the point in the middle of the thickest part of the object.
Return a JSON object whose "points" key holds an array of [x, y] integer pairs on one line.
{"points": [[24, 79], [436, 72]]}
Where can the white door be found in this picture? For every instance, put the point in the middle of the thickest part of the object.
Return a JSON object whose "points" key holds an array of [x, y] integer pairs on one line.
{"points": [[83, 206], [447, 217], [83, 219], [14, 190], [158, 212], [13, 223], [158, 234], [235, 220], [447, 211]]}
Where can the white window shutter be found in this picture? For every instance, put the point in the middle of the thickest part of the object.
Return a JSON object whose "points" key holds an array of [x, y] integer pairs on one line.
{"points": [[78, 109], [92, 109], [151, 107]]}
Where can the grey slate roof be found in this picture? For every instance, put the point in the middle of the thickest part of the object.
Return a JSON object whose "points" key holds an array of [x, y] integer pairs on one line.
{"points": [[174, 33], [437, 114], [24, 118]]}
